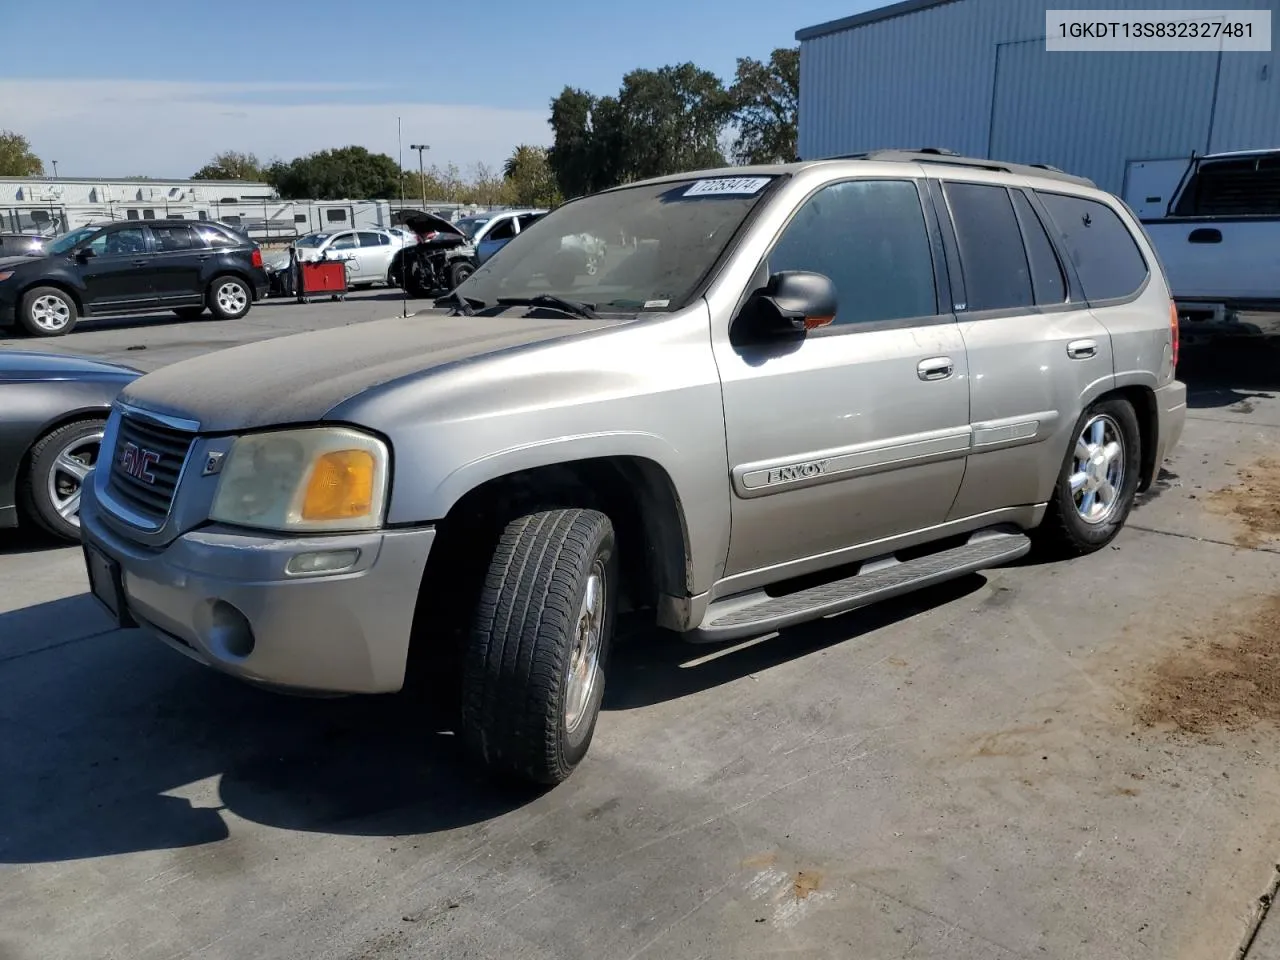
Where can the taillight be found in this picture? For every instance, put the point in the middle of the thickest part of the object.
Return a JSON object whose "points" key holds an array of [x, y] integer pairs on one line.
{"points": [[1173, 331], [257, 262]]}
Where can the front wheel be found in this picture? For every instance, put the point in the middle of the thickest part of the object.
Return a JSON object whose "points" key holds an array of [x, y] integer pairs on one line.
{"points": [[1098, 481], [47, 312], [459, 272], [534, 668], [229, 298], [58, 467]]}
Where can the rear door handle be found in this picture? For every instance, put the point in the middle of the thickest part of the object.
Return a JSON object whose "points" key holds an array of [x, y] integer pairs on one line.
{"points": [[140, 263], [935, 368], [1082, 349], [1205, 235]]}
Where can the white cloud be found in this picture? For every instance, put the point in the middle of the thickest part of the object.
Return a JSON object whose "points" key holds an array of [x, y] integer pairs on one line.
{"points": [[106, 128]]}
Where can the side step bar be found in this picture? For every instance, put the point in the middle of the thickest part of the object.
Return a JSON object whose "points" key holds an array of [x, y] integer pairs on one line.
{"points": [[754, 613]]}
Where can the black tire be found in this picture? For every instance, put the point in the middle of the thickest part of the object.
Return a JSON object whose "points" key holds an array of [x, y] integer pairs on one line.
{"points": [[44, 478], [1065, 531], [223, 303], [415, 283], [516, 715], [189, 313], [47, 312], [459, 271]]}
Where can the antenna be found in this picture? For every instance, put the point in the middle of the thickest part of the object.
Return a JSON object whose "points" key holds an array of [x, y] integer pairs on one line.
{"points": [[404, 280]]}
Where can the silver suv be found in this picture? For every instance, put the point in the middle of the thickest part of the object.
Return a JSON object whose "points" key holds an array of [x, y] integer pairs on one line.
{"points": [[784, 392]]}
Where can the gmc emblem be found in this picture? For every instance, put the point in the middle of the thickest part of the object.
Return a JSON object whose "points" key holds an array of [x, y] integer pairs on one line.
{"points": [[137, 462]]}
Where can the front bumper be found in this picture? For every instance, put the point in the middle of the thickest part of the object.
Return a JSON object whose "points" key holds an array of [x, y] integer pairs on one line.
{"points": [[222, 597], [1171, 415]]}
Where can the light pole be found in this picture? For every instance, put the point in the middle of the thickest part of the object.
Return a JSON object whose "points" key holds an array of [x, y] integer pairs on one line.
{"points": [[55, 168], [422, 176]]}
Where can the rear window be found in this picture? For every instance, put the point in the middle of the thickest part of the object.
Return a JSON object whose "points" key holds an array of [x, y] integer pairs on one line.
{"points": [[1239, 187], [214, 237], [1103, 250], [1046, 272], [996, 274]]}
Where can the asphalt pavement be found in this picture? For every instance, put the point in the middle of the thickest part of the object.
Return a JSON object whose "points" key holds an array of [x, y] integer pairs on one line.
{"points": [[1051, 760]]}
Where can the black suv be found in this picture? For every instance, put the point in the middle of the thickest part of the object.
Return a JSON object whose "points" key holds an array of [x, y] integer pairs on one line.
{"points": [[126, 267]]}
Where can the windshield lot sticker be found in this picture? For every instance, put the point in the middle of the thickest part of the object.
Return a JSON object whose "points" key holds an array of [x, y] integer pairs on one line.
{"points": [[655, 304], [741, 186]]}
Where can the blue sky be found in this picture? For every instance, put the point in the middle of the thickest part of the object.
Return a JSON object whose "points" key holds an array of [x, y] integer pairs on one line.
{"points": [[156, 88]]}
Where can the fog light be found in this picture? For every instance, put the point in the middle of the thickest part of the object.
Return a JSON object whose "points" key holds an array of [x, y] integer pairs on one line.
{"points": [[322, 561]]}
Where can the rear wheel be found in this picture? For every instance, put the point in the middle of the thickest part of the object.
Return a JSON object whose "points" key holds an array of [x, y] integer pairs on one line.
{"points": [[58, 466], [47, 312], [229, 298], [534, 668], [1097, 483]]}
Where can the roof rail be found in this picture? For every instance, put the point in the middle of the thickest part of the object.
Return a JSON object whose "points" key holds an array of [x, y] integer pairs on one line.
{"points": [[949, 157]]}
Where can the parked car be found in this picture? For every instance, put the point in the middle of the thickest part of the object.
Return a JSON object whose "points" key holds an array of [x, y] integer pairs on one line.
{"points": [[21, 245], [128, 267], [1220, 243], [52, 413], [790, 391], [367, 253], [503, 233]]}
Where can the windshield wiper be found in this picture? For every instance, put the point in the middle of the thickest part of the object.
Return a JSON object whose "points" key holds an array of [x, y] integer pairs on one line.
{"points": [[572, 307], [466, 306]]}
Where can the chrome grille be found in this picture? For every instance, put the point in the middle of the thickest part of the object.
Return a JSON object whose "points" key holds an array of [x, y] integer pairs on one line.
{"points": [[149, 487]]}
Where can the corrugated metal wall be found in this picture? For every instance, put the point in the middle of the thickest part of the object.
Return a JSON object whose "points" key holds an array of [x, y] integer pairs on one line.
{"points": [[973, 76]]}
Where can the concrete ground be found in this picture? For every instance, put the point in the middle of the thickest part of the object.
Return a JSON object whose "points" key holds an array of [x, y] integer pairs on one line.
{"points": [[1066, 760]]}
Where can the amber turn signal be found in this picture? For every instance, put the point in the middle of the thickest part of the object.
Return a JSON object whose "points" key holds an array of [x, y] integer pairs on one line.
{"points": [[341, 486]]}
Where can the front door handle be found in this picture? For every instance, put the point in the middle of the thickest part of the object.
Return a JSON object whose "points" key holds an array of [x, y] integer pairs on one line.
{"points": [[139, 263], [1082, 349], [935, 368]]}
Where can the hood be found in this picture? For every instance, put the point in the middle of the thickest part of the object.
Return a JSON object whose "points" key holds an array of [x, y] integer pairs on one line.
{"points": [[424, 223], [21, 258], [20, 365], [300, 378]]}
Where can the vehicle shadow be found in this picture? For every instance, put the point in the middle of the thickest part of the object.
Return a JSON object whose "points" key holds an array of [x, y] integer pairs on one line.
{"points": [[654, 666], [27, 539], [1229, 373], [114, 744]]}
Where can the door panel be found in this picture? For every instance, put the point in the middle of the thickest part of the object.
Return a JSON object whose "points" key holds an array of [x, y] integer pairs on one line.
{"points": [[178, 262], [121, 272], [857, 431], [840, 441]]}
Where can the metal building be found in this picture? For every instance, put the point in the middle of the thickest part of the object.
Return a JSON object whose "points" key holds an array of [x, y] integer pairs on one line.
{"points": [[974, 76]]}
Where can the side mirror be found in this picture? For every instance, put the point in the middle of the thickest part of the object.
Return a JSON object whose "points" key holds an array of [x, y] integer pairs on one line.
{"points": [[793, 301], [85, 254]]}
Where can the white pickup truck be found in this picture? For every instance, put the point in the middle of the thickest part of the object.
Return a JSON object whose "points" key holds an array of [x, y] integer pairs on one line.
{"points": [[1219, 242]]}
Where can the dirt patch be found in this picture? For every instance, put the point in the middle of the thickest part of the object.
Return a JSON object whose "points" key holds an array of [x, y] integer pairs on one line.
{"points": [[1254, 502], [805, 882], [1229, 682]]}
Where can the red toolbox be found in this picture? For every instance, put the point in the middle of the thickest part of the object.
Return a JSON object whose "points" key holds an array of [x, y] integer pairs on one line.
{"points": [[321, 277]]}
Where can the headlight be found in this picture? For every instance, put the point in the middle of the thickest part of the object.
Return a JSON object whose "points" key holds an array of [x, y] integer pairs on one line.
{"points": [[313, 479]]}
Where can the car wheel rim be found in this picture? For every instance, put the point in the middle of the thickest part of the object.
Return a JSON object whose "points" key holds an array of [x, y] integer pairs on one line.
{"points": [[1097, 470], [50, 312], [232, 297], [583, 668], [67, 477]]}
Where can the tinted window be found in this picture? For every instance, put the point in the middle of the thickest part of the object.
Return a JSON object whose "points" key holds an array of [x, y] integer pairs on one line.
{"points": [[1046, 272], [996, 274], [502, 231], [373, 240], [148, 214], [869, 238], [1239, 187], [119, 243], [528, 220], [202, 215], [299, 218], [344, 241], [174, 238], [131, 214], [214, 238], [1098, 243], [336, 216], [231, 218]]}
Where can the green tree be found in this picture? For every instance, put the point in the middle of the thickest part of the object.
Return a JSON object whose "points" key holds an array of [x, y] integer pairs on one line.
{"points": [[345, 173], [571, 157], [16, 158], [529, 177], [230, 165], [766, 98]]}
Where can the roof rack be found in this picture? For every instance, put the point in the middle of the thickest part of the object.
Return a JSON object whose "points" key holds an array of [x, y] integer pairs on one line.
{"points": [[951, 158]]}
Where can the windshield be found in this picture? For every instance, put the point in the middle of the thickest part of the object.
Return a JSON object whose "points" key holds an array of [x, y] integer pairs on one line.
{"points": [[65, 243], [311, 240], [639, 248], [469, 225]]}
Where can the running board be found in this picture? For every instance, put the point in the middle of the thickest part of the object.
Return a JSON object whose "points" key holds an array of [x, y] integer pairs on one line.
{"points": [[755, 613]]}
